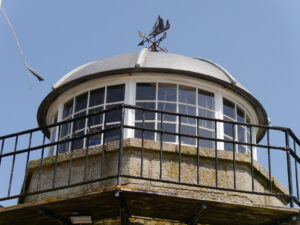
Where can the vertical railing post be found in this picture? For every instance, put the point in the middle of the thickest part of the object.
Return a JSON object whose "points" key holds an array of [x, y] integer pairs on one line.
{"points": [[27, 161], [121, 146], [233, 155], [179, 159], [216, 152], [143, 140], [288, 157], [198, 150], [269, 160], [161, 146], [296, 169], [41, 165], [56, 156], [12, 166], [1, 151], [87, 145], [71, 149], [252, 166]]}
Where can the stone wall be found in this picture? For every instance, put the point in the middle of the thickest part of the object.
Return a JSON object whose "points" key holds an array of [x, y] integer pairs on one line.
{"points": [[131, 165]]}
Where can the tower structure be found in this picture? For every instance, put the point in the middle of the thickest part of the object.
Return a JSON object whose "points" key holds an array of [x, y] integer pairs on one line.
{"points": [[154, 137]]}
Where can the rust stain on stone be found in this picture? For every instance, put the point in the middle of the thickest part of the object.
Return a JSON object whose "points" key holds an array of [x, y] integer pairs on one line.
{"points": [[49, 199]]}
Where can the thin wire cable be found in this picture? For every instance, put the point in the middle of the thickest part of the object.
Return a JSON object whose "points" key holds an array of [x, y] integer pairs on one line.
{"points": [[18, 43]]}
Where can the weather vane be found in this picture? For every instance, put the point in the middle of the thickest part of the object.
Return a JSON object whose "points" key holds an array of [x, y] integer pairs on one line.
{"points": [[153, 38]]}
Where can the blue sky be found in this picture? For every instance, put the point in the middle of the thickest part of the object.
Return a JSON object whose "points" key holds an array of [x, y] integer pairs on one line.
{"points": [[257, 41]]}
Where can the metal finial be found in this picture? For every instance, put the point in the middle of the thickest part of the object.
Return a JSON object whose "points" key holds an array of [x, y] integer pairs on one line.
{"points": [[158, 28]]}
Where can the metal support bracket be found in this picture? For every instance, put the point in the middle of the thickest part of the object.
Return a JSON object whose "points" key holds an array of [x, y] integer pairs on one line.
{"points": [[55, 217], [197, 214], [124, 213]]}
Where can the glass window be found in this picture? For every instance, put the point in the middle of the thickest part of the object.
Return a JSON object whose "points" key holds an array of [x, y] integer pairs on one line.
{"points": [[206, 123], [233, 112], [169, 108], [79, 106], [145, 91], [206, 99], [97, 97], [167, 92], [115, 93], [169, 128], [95, 139], [190, 130], [188, 110], [97, 119], [187, 95], [68, 109], [81, 102], [148, 115], [206, 133], [79, 124], [165, 99], [228, 108], [148, 135]]}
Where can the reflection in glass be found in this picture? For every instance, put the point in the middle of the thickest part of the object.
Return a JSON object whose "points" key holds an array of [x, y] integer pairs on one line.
{"points": [[190, 130], [148, 115], [148, 135], [169, 108], [114, 115], [68, 109], [81, 102], [97, 119], [79, 124], [206, 99], [228, 108], [65, 129], [188, 110], [167, 92], [78, 143], [113, 134], [167, 127], [115, 93], [187, 95], [97, 97], [64, 147], [204, 122], [206, 143], [95, 139], [145, 91]]}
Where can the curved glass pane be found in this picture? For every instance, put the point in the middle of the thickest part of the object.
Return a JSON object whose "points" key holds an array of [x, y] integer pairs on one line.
{"points": [[167, 92], [115, 93], [97, 97]]}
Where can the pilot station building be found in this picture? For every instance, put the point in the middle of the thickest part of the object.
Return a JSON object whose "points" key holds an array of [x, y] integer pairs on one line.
{"points": [[152, 138]]}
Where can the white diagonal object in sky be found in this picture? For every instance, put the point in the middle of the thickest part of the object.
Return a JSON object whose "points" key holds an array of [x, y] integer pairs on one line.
{"points": [[0, 3]]}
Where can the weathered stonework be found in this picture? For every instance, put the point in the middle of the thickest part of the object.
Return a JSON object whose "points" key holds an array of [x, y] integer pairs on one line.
{"points": [[138, 221], [151, 169]]}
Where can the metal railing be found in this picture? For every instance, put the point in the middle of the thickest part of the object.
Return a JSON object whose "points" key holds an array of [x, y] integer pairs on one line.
{"points": [[19, 149]]}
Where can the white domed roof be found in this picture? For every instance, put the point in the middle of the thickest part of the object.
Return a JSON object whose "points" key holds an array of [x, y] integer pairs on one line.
{"points": [[147, 61], [157, 62]]}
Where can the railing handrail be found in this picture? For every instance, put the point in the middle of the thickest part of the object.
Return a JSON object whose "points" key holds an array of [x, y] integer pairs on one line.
{"points": [[155, 111]]}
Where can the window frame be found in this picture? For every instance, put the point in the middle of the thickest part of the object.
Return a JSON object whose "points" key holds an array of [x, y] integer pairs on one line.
{"points": [[130, 81]]}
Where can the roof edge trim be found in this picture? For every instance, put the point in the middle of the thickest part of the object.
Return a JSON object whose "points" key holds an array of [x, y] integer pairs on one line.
{"points": [[69, 75], [230, 77]]}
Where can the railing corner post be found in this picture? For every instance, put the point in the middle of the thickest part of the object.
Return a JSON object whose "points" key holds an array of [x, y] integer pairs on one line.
{"points": [[121, 146], [288, 156]]}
